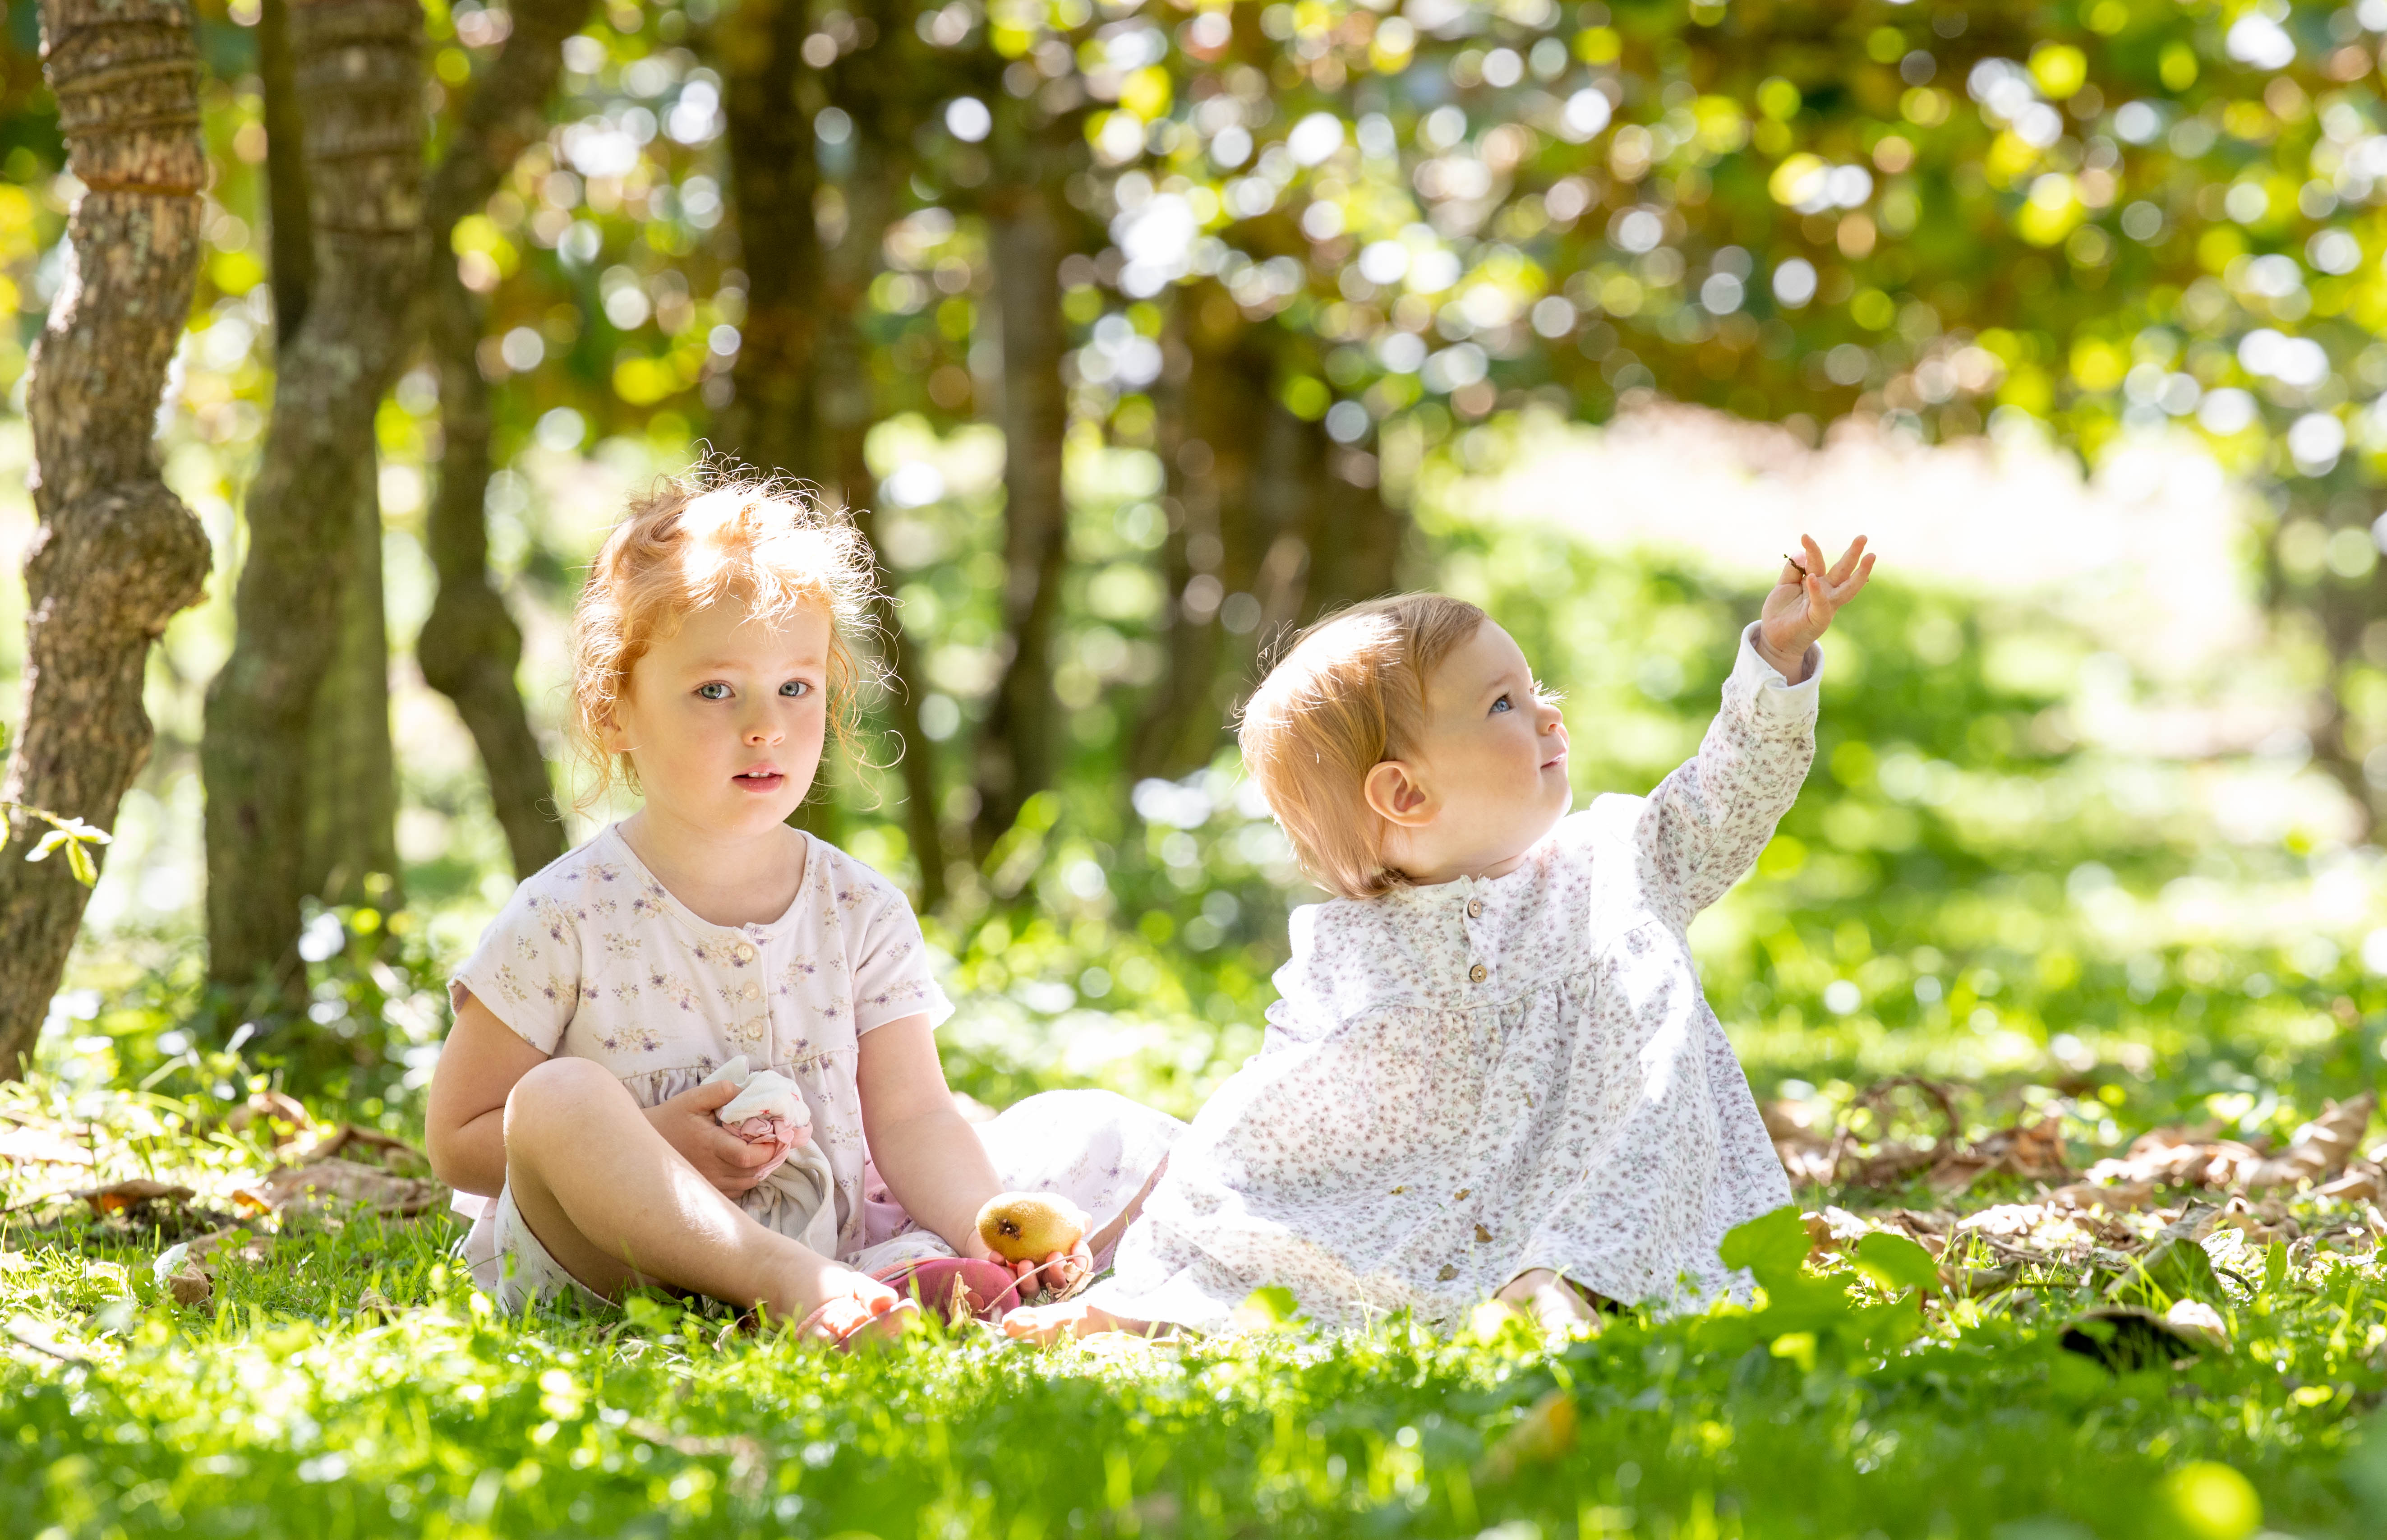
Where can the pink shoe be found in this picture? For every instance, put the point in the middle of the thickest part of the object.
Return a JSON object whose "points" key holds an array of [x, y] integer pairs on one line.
{"points": [[950, 1285]]}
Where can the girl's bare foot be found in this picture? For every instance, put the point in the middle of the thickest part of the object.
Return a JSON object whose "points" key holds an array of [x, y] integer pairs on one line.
{"points": [[839, 1305], [1044, 1324], [1550, 1302]]}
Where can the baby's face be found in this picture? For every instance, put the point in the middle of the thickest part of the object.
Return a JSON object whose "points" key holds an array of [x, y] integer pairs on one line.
{"points": [[1492, 766]]}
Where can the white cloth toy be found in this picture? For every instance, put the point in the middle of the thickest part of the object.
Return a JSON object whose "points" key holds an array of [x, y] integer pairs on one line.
{"points": [[770, 1109]]}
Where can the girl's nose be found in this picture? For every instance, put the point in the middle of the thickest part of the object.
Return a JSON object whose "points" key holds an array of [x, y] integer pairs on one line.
{"points": [[761, 730]]}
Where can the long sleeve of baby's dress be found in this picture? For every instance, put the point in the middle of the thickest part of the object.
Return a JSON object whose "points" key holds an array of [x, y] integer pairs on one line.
{"points": [[1704, 826]]}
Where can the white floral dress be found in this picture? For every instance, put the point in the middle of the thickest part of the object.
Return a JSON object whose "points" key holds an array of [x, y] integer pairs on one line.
{"points": [[595, 958], [1465, 1081]]}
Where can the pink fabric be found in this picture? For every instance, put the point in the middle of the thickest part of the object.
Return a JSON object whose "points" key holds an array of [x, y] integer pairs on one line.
{"points": [[775, 1131]]}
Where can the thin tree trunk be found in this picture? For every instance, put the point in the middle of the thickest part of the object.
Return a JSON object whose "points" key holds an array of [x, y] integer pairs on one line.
{"points": [[351, 760], [1265, 514], [290, 230], [359, 80], [1015, 745], [116, 554], [770, 424], [866, 84], [469, 648]]}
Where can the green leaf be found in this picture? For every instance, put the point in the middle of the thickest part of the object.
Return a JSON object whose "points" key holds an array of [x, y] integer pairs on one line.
{"points": [[1897, 1263], [1265, 1308], [1771, 1246]]}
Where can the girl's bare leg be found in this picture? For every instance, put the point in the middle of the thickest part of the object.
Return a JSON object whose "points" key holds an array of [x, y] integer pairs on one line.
{"points": [[616, 1206]]}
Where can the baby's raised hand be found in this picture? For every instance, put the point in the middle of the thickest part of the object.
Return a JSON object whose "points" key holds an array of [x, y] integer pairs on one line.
{"points": [[1804, 601]]}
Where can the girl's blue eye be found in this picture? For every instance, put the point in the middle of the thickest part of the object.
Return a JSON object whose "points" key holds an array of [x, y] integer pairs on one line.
{"points": [[796, 686], [715, 690], [1503, 704]]}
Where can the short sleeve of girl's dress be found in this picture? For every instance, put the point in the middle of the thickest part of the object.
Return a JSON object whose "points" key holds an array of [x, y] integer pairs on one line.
{"points": [[891, 977], [527, 970]]}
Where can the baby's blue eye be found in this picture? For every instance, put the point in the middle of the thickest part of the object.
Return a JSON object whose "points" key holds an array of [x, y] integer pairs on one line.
{"points": [[796, 686], [715, 690], [1503, 704]]}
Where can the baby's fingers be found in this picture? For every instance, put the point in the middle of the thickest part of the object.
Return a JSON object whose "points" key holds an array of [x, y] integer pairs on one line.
{"points": [[1848, 561], [1850, 587]]}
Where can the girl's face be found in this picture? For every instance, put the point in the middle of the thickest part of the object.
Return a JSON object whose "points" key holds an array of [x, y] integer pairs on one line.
{"points": [[1488, 778], [725, 718]]}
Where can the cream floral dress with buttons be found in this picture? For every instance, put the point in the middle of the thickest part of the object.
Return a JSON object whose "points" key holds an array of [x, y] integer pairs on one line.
{"points": [[594, 958], [1466, 1081]]}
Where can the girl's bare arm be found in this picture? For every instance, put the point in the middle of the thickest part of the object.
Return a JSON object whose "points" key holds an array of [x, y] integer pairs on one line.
{"points": [[929, 1153], [465, 1127]]}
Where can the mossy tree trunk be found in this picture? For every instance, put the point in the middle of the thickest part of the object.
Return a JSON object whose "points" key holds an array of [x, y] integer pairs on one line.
{"points": [[357, 69], [873, 87], [772, 422], [116, 554], [351, 758], [470, 647], [1016, 745], [1271, 525]]}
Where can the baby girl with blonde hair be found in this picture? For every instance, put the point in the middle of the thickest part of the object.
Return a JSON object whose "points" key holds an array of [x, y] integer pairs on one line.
{"points": [[701, 962], [1491, 1071]]}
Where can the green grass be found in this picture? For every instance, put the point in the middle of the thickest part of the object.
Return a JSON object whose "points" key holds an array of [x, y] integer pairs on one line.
{"points": [[278, 1409], [292, 1403]]}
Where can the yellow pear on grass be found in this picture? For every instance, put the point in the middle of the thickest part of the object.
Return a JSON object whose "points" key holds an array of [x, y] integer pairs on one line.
{"points": [[1028, 1227]]}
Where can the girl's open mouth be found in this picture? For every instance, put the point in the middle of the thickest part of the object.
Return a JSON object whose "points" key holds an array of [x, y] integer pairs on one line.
{"points": [[760, 780]]}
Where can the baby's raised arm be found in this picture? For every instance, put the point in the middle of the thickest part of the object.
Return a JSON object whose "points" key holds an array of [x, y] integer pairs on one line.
{"points": [[1704, 826]]}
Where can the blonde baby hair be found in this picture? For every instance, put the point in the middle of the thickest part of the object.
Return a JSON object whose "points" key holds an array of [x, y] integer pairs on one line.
{"points": [[717, 533], [1346, 696]]}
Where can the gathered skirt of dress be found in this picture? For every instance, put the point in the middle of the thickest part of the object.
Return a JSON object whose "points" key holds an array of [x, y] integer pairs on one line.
{"points": [[1421, 1160]]}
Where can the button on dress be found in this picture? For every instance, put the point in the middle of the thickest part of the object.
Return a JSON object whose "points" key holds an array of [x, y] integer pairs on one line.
{"points": [[1465, 1081]]}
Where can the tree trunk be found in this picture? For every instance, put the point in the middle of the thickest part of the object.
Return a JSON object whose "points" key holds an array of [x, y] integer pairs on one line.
{"points": [[770, 422], [116, 554], [469, 648], [290, 232], [1270, 531], [1015, 745], [359, 80], [867, 85], [351, 760]]}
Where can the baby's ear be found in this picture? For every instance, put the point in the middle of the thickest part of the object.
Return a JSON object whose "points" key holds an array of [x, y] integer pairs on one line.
{"points": [[1395, 794]]}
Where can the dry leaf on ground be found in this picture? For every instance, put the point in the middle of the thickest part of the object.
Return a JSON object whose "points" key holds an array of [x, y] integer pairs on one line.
{"points": [[2195, 1157], [2319, 1149], [339, 1186], [130, 1198], [349, 1137]]}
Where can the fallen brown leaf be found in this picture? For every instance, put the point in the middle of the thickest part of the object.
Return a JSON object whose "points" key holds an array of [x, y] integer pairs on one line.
{"points": [[2362, 1182], [2319, 1149], [123, 1198], [190, 1284], [347, 1136], [337, 1186]]}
